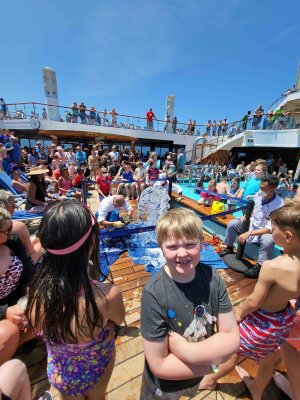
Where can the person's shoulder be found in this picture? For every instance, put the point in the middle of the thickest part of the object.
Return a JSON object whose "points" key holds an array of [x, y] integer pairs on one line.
{"points": [[155, 281]]}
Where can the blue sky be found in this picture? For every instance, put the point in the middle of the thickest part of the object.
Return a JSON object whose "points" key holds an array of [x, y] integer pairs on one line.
{"points": [[220, 58]]}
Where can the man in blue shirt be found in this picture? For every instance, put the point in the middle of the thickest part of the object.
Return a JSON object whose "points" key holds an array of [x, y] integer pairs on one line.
{"points": [[80, 156]]}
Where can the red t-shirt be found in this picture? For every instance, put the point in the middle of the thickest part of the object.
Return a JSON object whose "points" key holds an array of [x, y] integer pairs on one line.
{"points": [[78, 178], [150, 115], [104, 185]]}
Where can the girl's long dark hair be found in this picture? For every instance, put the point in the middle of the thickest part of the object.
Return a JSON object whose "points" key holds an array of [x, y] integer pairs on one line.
{"points": [[38, 183], [53, 301]]}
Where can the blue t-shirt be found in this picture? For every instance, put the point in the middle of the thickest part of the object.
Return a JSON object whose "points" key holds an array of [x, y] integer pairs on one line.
{"points": [[252, 187], [127, 175], [16, 153], [80, 157]]}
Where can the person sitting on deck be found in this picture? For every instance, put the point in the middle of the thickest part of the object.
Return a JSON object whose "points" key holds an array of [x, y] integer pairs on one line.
{"points": [[17, 183], [234, 192], [266, 317], [16, 270], [266, 201], [222, 187], [75, 314], [109, 209], [252, 184], [127, 177], [207, 198], [152, 172], [103, 184], [188, 298], [65, 185], [139, 178], [31, 244]]}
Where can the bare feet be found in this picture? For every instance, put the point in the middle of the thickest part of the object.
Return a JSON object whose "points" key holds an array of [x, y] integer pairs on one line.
{"points": [[207, 383], [249, 382], [283, 383]]}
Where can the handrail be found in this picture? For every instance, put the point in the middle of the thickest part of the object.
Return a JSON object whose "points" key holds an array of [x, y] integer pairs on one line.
{"points": [[228, 130]]}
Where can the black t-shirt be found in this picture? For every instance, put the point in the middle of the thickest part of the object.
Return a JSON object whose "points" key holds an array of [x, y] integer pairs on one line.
{"points": [[113, 170], [169, 305]]}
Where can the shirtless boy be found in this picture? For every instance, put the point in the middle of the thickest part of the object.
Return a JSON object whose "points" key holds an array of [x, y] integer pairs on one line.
{"points": [[265, 317]]}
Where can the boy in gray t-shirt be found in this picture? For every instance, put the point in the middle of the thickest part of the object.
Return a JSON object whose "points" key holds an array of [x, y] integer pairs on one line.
{"points": [[190, 299]]}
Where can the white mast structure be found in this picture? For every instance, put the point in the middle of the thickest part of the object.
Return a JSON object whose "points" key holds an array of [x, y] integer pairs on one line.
{"points": [[51, 94]]}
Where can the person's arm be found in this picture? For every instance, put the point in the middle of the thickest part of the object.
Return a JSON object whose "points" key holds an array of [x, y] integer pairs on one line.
{"points": [[128, 208], [259, 294], [166, 365], [257, 232], [18, 185], [116, 309], [214, 350]]}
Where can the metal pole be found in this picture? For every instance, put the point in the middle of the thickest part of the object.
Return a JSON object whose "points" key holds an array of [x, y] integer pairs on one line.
{"points": [[245, 227]]}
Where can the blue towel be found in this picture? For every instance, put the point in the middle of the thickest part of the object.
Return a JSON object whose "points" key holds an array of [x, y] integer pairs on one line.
{"points": [[23, 214]]}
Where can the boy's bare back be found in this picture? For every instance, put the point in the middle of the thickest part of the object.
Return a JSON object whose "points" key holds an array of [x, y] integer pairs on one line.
{"points": [[281, 278]]}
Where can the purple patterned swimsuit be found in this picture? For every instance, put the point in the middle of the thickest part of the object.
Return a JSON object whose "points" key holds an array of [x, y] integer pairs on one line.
{"points": [[9, 281], [75, 369]]}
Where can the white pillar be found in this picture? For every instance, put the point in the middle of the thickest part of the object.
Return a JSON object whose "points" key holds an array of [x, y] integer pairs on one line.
{"points": [[51, 94], [170, 104]]}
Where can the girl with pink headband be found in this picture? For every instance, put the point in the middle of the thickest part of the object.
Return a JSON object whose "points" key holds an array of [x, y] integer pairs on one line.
{"points": [[74, 314]]}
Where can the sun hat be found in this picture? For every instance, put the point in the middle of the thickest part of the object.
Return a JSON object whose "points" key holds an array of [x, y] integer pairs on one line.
{"points": [[37, 171]]}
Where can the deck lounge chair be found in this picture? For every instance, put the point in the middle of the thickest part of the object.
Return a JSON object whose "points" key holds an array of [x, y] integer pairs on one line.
{"points": [[5, 183]]}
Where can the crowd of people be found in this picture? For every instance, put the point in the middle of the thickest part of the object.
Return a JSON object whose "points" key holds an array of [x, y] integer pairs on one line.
{"points": [[60, 266]]}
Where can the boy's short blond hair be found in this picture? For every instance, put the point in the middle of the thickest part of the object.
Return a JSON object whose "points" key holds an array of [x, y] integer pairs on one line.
{"points": [[287, 217], [178, 223]]}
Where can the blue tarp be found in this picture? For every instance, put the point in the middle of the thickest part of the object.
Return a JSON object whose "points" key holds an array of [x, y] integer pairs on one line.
{"points": [[144, 249]]}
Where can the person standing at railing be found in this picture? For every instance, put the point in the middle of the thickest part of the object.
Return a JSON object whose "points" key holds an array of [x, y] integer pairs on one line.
{"points": [[113, 114], [220, 124], [44, 114], [245, 120], [82, 112], [149, 117], [277, 114], [92, 115], [214, 128], [74, 108], [174, 124], [104, 120], [225, 127], [3, 109], [193, 127], [257, 116], [208, 126]]}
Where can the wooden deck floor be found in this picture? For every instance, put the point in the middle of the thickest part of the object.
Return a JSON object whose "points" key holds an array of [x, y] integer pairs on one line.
{"points": [[126, 378]]}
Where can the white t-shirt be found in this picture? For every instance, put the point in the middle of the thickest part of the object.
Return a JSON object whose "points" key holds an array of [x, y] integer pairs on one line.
{"points": [[261, 214], [114, 155], [107, 206]]}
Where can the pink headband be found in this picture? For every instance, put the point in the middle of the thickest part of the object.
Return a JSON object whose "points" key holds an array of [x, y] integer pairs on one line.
{"points": [[75, 246]]}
